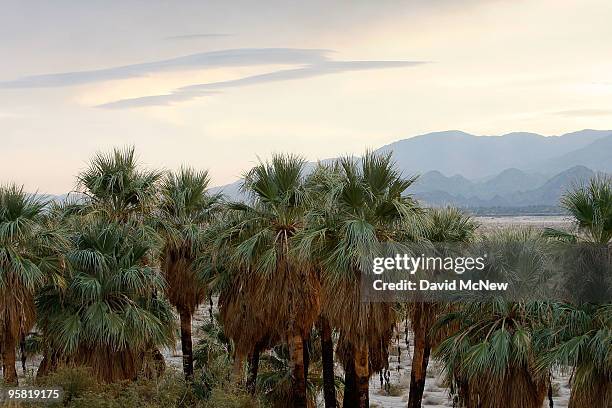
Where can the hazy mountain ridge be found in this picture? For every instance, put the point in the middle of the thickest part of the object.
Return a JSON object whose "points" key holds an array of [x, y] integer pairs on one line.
{"points": [[508, 181], [476, 157], [546, 193], [596, 155], [513, 170]]}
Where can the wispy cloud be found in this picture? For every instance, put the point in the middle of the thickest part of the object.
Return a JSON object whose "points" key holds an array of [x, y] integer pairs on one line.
{"points": [[214, 59], [329, 67], [198, 90], [305, 63], [197, 36], [584, 112], [156, 100]]}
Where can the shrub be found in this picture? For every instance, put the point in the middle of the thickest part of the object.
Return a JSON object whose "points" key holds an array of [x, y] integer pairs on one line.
{"points": [[81, 390], [231, 397], [75, 381]]}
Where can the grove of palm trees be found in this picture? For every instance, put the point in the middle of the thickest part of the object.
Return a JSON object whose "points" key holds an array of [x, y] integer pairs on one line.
{"points": [[263, 300]]}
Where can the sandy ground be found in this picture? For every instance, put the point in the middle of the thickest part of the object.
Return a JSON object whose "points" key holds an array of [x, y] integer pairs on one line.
{"points": [[533, 221]]}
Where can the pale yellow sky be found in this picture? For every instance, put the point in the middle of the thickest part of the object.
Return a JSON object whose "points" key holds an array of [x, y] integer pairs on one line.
{"points": [[489, 67]]}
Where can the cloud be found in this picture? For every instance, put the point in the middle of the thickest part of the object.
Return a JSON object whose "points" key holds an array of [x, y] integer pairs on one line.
{"points": [[198, 90], [584, 112], [223, 58], [197, 36], [329, 67], [308, 63], [156, 100]]}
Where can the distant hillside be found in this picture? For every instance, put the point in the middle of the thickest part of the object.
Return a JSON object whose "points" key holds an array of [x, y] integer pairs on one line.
{"points": [[477, 157], [596, 156], [436, 181], [546, 194], [509, 181], [551, 191], [506, 182], [516, 170]]}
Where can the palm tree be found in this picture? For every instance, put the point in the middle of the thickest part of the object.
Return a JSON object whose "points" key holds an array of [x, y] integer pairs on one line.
{"points": [[441, 226], [272, 297], [490, 357], [489, 361], [118, 188], [318, 185], [106, 318], [590, 205], [184, 210], [29, 251], [237, 291], [113, 277], [116, 185], [584, 330], [360, 208], [580, 337], [274, 382]]}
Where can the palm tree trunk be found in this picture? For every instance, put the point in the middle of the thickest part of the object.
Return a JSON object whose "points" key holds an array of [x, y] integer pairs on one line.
{"points": [[298, 379], [306, 358], [327, 354], [9, 358], [48, 362], [351, 394], [551, 402], [44, 368], [237, 374], [22, 352], [159, 362], [210, 308], [362, 371], [186, 344], [253, 368], [420, 360]]}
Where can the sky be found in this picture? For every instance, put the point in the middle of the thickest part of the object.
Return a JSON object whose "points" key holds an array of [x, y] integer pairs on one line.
{"points": [[222, 84]]}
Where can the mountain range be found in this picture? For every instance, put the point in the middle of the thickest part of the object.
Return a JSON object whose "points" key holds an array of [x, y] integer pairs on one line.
{"points": [[477, 157], [515, 172], [512, 188]]}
